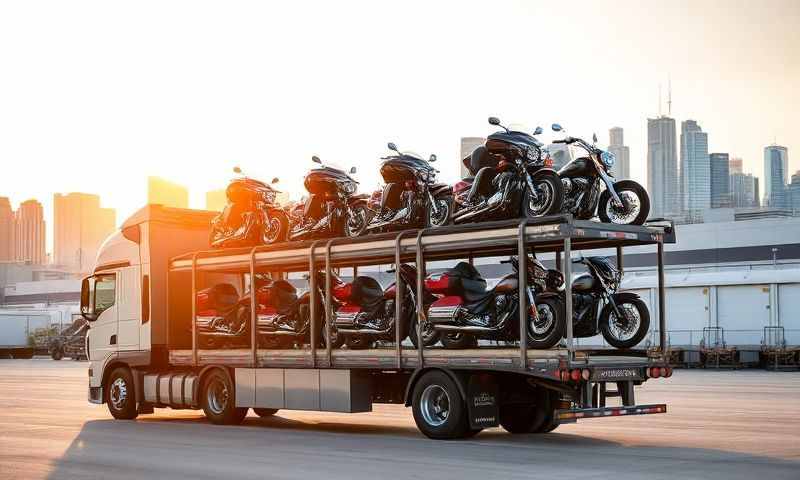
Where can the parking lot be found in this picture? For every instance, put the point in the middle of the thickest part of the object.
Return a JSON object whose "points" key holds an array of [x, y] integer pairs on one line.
{"points": [[721, 424]]}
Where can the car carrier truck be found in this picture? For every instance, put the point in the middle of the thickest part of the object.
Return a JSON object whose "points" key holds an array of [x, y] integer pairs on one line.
{"points": [[144, 352]]}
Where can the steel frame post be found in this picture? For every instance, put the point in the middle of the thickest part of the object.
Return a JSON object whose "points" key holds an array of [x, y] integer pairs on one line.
{"points": [[253, 313], [327, 303], [399, 293], [421, 317], [619, 259], [662, 319], [194, 309], [568, 297], [312, 285], [522, 284]]}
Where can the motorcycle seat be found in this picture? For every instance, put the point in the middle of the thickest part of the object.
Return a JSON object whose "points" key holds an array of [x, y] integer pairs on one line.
{"points": [[223, 296], [480, 158], [283, 296], [367, 293], [467, 283]]}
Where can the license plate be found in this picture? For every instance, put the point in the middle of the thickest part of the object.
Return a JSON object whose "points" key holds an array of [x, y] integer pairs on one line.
{"points": [[616, 374]]}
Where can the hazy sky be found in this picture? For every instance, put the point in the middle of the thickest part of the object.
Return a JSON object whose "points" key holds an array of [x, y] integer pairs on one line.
{"points": [[95, 96]]}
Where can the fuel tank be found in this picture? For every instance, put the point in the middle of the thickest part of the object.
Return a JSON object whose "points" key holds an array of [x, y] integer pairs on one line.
{"points": [[580, 167], [583, 283], [325, 180], [507, 284], [402, 168]]}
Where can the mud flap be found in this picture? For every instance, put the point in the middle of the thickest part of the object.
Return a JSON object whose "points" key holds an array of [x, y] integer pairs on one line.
{"points": [[482, 401]]}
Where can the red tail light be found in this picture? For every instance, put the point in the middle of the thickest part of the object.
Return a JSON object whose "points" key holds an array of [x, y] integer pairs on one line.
{"points": [[342, 291], [461, 186], [204, 302], [575, 375], [548, 162], [655, 372]]}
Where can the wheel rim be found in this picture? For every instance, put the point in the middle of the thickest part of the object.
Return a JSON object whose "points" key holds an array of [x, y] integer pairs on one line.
{"points": [[118, 395], [435, 405], [356, 223], [619, 213], [624, 329], [427, 332], [438, 220], [540, 327], [217, 396], [543, 201], [271, 234]]}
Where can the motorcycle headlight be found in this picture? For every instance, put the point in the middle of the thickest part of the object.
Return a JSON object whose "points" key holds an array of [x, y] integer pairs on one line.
{"points": [[349, 188], [608, 159], [533, 153]]}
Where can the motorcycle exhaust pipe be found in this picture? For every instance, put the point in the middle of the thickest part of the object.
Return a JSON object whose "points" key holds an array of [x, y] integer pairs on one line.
{"points": [[462, 328], [362, 331]]}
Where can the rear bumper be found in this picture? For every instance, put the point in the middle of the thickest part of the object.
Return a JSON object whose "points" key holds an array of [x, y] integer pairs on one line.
{"points": [[569, 416]]}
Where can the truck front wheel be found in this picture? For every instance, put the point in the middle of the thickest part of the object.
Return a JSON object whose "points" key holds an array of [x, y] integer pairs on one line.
{"points": [[439, 410], [217, 399], [121, 394]]}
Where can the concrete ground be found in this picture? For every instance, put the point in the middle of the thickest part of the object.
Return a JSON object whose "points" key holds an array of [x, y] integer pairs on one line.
{"points": [[730, 425]]}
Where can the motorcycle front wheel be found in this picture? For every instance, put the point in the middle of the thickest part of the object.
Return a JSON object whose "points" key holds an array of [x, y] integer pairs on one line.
{"points": [[275, 228], [356, 223], [549, 195], [444, 204], [629, 331], [547, 328], [636, 206]]}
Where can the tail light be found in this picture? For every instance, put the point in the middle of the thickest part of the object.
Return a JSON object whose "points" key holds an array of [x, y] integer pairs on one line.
{"points": [[667, 372], [548, 162], [654, 372], [575, 375], [343, 291], [437, 282]]}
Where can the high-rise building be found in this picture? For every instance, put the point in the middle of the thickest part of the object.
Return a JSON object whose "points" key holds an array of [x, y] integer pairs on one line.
{"points": [[695, 168], [164, 192], [776, 170], [743, 190], [216, 200], [720, 180], [616, 145], [793, 191], [80, 226], [30, 233], [662, 166], [735, 165], [468, 145], [7, 227]]}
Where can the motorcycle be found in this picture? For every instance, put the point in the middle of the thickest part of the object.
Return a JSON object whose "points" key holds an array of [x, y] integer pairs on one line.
{"points": [[623, 320], [283, 317], [332, 208], [622, 202], [367, 313], [511, 179], [222, 317], [251, 216], [411, 197], [467, 311]]}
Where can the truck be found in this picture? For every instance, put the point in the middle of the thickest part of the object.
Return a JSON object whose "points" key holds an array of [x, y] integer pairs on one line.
{"points": [[19, 330], [142, 308]]}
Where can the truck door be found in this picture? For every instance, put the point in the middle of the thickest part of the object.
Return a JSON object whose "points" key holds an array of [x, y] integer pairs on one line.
{"points": [[128, 308], [102, 296]]}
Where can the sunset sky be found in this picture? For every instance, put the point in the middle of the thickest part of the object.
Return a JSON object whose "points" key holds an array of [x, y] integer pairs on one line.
{"points": [[96, 96]]}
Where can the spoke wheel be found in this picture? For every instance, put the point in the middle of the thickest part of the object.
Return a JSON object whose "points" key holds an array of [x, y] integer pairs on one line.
{"points": [[442, 217], [357, 222]]}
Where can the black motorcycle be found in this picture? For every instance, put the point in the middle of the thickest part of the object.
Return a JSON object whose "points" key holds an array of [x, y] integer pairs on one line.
{"points": [[623, 320], [332, 209], [510, 179], [284, 318], [622, 202], [367, 313], [251, 216], [411, 197], [467, 311], [223, 317]]}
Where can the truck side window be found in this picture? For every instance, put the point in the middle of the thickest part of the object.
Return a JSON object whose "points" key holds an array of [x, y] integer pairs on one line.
{"points": [[104, 292]]}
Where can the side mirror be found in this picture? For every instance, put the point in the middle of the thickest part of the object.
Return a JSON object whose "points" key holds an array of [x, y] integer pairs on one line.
{"points": [[538, 131], [392, 147], [556, 127], [275, 180], [316, 159], [433, 158], [352, 170], [594, 138], [87, 307], [237, 170], [494, 121]]}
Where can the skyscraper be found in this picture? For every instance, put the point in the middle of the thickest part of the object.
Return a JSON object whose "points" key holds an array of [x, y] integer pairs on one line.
{"points": [[164, 192], [695, 168], [80, 225], [30, 233], [743, 190], [621, 169], [736, 165], [468, 145], [776, 170], [793, 190], [662, 166], [720, 180], [7, 226]]}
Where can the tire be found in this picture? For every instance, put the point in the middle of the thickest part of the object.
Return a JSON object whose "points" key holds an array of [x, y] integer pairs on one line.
{"points": [[120, 393], [439, 410], [57, 354], [352, 230], [357, 342], [551, 195], [624, 188], [612, 338], [218, 400], [458, 340], [548, 329], [547, 400], [265, 412], [430, 338], [337, 341], [536, 418], [276, 228], [434, 221]]}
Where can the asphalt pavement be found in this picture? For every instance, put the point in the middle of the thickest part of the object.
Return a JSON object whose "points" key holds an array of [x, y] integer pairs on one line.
{"points": [[720, 424]]}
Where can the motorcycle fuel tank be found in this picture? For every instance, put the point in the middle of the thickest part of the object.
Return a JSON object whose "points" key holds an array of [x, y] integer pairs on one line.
{"points": [[580, 167], [402, 168], [583, 283], [507, 284], [325, 180]]}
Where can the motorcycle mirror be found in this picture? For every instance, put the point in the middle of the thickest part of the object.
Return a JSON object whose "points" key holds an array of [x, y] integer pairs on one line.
{"points": [[275, 180], [352, 170], [392, 146], [594, 138], [237, 170], [316, 159], [433, 158], [538, 131], [494, 121], [556, 127]]}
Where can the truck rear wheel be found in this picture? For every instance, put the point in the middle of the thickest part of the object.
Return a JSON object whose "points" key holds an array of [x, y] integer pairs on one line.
{"points": [[121, 394], [439, 410], [218, 402]]}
